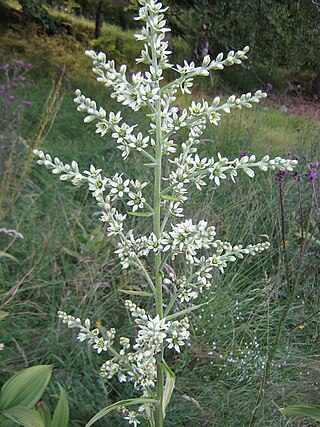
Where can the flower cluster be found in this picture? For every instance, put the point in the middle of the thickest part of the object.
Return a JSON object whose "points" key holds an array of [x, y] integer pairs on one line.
{"points": [[117, 187], [165, 239], [152, 335], [185, 237], [133, 363]]}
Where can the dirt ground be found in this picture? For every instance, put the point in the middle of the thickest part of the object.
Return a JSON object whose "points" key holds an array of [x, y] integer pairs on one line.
{"points": [[298, 105]]}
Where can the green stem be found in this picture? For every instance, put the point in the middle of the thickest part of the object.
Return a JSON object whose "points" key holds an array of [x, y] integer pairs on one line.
{"points": [[158, 275], [158, 233], [145, 273]]}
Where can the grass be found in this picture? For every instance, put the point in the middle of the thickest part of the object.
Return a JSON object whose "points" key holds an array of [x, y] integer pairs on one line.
{"points": [[65, 262]]}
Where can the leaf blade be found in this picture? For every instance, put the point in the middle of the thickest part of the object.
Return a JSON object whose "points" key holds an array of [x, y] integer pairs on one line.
{"points": [[127, 402], [136, 293], [187, 310], [61, 414], [26, 387], [169, 386], [140, 214], [303, 410], [25, 416]]}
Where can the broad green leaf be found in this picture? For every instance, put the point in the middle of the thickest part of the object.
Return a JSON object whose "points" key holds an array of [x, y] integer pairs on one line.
{"points": [[44, 412], [137, 293], [61, 414], [141, 214], [127, 402], [171, 198], [312, 411], [24, 416], [168, 388], [25, 388], [3, 314], [188, 310]]}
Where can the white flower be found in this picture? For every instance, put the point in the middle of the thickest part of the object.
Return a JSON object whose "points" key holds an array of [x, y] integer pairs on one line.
{"points": [[82, 336], [132, 418], [186, 85], [198, 109], [97, 185], [115, 228], [122, 132], [118, 186], [187, 68], [138, 142], [217, 173], [148, 94], [114, 119], [214, 118], [137, 201], [100, 345], [175, 209], [154, 244], [92, 171], [102, 128], [218, 262], [175, 343], [187, 294]]}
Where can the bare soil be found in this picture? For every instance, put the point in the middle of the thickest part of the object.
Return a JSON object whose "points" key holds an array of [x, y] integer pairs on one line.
{"points": [[297, 105]]}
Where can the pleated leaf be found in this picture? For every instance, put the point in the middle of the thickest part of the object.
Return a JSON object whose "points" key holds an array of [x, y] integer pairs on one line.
{"points": [[25, 388], [312, 411], [61, 414], [24, 416], [44, 412]]}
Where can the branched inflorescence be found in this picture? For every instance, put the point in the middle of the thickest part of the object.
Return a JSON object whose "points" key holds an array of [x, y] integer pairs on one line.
{"points": [[142, 361]]}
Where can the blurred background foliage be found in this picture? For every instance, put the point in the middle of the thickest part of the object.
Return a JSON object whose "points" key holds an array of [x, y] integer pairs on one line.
{"points": [[280, 33]]}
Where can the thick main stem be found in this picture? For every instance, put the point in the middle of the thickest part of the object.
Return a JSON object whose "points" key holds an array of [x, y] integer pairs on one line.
{"points": [[158, 275], [157, 223]]}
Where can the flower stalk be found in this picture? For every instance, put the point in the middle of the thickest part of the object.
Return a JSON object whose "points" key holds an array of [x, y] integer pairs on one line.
{"points": [[141, 360]]}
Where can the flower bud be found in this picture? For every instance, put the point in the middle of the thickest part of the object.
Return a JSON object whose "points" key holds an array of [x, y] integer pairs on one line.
{"points": [[206, 61]]}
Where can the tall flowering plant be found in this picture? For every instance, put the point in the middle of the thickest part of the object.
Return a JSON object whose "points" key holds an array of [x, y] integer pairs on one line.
{"points": [[166, 328]]}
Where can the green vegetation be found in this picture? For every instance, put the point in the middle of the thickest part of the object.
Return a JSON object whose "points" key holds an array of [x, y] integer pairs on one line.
{"points": [[65, 261]]}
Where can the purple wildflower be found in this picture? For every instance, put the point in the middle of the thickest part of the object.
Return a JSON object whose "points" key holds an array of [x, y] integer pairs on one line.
{"points": [[243, 154], [296, 176], [312, 175], [280, 176]]}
